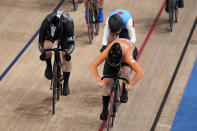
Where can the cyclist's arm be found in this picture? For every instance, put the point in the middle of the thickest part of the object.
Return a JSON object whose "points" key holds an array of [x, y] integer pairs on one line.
{"points": [[131, 31], [96, 62], [106, 34], [135, 67], [68, 31], [42, 34]]}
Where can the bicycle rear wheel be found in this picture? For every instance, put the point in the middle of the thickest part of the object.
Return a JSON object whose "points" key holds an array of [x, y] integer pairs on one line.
{"points": [[171, 17], [54, 87], [75, 4], [90, 21]]}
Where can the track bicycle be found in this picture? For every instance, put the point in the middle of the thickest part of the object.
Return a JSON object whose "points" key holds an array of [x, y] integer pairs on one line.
{"points": [[173, 13], [57, 79], [114, 101], [92, 19]]}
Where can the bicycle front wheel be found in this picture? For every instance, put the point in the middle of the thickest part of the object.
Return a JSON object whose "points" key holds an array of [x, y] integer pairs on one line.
{"points": [[59, 81], [54, 87]]}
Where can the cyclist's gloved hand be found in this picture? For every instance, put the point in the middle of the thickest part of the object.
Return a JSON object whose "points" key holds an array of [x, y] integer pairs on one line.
{"points": [[128, 87], [103, 48], [100, 83], [43, 56], [67, 57]]}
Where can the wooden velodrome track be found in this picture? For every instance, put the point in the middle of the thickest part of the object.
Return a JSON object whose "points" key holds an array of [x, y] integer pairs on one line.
{"points": [[25, 98]]}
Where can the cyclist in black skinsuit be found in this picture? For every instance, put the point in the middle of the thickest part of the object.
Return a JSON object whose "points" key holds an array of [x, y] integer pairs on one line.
{"points": [[179, 4], [57, 26]]}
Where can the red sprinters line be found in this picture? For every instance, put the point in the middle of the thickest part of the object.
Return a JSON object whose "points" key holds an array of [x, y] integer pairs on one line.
{"points": [[151, 30], [143, 45], [102, 125]]}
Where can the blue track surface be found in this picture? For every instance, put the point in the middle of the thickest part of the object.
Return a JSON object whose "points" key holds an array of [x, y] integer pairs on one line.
{"points": [[186, 116]]}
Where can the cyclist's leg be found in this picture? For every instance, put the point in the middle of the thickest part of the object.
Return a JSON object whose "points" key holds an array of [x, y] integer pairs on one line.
{"points": [[66, 68], [105, 97], [167, 8], [100, 6], [48, 71], [126, 69], [108, 70]]}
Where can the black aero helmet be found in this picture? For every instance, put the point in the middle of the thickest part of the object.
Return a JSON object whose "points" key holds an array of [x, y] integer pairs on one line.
{"points": [[56, 24], [115, 23], [115, 55]]}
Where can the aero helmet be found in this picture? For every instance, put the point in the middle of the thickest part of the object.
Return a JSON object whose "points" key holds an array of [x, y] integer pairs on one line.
{"points": [[115, 55], [115, 23]]}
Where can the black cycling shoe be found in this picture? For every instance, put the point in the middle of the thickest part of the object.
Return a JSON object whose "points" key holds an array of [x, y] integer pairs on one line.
{"points": [[180, 3], [167, 8], [66, 90], [103, 115], [124, 97], [48, 73]]}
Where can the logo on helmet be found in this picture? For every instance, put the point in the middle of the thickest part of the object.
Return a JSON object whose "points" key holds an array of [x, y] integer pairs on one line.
{"points": [[120, 13], [53, 29]]}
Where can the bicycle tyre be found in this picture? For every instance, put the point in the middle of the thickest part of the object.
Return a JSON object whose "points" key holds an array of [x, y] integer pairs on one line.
{"points": [[171, 17], [58, 82], [90, 20], [54, 87], [75, 5], [116, 104]]}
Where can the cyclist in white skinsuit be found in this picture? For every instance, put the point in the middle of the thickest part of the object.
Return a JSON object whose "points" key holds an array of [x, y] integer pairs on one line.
{"points": [[120, 24], [127, 28]]}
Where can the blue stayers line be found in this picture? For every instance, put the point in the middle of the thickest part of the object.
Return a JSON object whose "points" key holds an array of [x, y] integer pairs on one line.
{"points": [[26, 46]]}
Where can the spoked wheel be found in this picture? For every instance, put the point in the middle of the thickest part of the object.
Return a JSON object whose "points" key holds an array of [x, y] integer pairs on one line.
{"points": [[54, 87], [90, 21], [75, 4], [171, 13]]}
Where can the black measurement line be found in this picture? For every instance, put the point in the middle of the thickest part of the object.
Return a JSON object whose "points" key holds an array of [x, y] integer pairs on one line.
{"points": [[173, 78]]}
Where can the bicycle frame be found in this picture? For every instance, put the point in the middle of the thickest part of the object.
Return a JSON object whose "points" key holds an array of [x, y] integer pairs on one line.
{"points": [[57, 76], [92, 18], [114, 99]]}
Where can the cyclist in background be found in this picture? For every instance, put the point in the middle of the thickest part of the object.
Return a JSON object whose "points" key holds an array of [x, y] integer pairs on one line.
{"points": [[100, 6], [117, 54], [179, 3], [57, 26], [120, 24]]}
